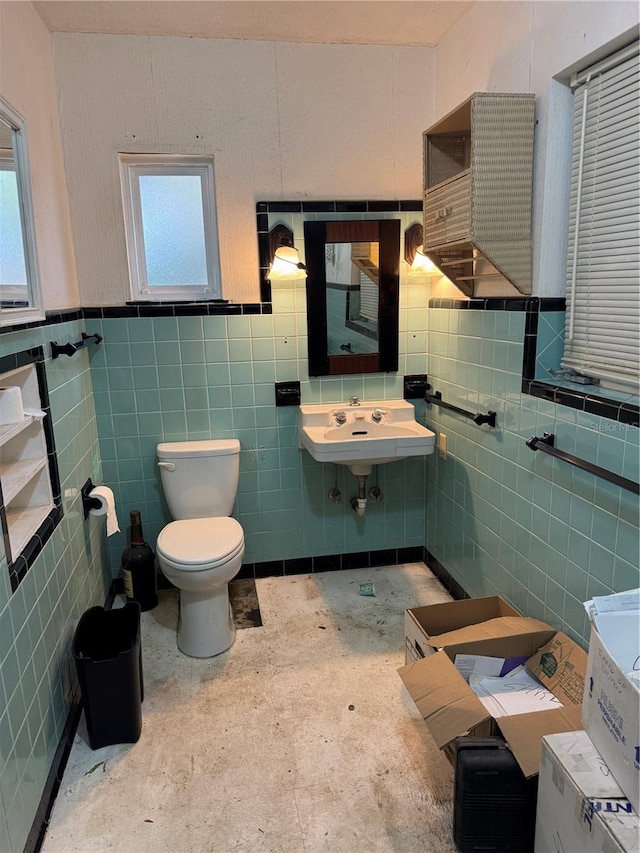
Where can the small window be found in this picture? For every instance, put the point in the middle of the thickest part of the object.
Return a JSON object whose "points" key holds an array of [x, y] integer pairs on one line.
{"points": [[602, 337], [19, 281], [171, 230], [13, 272]]}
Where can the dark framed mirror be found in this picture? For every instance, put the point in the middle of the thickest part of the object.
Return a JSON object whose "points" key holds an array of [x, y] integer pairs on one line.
{"points": [[352, 295]]}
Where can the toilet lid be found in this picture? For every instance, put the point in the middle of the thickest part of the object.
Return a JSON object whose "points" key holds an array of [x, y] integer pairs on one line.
{"points": [[200, 542]]}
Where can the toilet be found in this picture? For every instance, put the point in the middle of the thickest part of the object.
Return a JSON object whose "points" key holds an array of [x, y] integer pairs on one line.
{"points": [[202, 549]]}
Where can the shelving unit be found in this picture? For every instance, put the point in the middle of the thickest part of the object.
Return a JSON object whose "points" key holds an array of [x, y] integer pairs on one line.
{"points": [[24, 465], [478, 169]]}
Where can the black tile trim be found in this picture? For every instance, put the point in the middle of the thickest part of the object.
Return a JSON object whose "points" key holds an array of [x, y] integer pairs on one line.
{"points": [[446, 579], [508, 303], [333, 562], [214, 308], [318, 207], [604, 407], [51, 318], [352, 207], [149, 309], [40, 823], [41, 820], [628, 414], [21, 565], [339, 206]]}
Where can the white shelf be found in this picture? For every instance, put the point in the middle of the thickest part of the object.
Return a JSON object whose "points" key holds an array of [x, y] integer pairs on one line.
{"points": [[22, 523], [15, 475], [9, 431], [24, 464]]}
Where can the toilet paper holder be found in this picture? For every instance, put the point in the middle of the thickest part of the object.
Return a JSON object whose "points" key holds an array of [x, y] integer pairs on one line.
{"points": [[88, 503]]}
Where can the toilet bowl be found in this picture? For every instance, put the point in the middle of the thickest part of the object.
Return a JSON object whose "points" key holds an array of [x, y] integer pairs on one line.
{"points": [[202, 550]]}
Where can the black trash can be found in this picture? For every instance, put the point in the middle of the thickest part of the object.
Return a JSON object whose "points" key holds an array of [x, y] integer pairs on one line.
{"points": [[108, 655]]}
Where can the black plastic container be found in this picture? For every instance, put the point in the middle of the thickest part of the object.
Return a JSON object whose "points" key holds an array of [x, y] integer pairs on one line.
{"points": [[108, 656], [495, 805]]}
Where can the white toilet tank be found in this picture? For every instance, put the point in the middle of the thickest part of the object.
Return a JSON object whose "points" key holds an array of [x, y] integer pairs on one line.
{"points": [[199, 478]]}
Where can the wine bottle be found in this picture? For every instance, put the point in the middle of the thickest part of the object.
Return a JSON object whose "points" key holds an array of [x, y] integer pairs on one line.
{"points": [[138, 567]]}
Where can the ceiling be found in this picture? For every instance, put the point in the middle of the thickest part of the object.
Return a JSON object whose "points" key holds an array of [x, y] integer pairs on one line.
{"points": [[396, 22]]}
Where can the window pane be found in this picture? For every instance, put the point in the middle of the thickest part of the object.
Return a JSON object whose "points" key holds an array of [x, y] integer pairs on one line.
{"points": [[12, 267], [173, 227]]}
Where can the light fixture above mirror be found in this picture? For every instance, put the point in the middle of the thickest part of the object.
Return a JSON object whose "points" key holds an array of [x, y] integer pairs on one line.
{"points": [[284, 260], [419, 263]]}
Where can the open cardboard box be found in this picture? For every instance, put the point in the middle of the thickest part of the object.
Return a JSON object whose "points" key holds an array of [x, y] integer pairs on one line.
{"points": [[450, 708], [434, 626]]}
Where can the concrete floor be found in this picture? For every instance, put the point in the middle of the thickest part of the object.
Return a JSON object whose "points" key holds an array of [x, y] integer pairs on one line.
{"points": [[300, 738]]}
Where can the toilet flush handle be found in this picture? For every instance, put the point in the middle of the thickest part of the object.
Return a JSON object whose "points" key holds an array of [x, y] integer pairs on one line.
{"points": [[170, 466]]}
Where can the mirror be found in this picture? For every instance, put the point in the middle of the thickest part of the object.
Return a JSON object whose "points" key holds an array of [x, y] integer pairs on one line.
{"points": [[352, 295], [352, 280], [19, 292]]}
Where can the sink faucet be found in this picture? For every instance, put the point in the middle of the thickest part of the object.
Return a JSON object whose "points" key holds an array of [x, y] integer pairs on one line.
{"points": [[377, 414], [340, 417], [354, 400]]}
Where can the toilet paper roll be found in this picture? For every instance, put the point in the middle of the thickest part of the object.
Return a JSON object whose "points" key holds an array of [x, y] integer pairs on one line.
{"points": [[11, 409], [107, 507]]}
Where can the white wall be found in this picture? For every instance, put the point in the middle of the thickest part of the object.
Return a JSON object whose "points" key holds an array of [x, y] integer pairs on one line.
{"points": [[519, 47], [288, 121], [26, 82]]}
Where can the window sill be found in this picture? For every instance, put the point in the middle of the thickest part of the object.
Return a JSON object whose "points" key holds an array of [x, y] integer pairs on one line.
{"points": [[594, 401]]}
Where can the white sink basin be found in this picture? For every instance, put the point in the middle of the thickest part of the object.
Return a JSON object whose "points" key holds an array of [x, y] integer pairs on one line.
{"points": [[373, 433]]}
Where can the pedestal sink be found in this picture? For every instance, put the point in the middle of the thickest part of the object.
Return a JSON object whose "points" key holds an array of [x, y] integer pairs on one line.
{"points": [[362, 435]]}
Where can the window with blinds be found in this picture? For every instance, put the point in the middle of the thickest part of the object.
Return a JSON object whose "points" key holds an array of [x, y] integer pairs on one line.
{"points": [[602, 335]]}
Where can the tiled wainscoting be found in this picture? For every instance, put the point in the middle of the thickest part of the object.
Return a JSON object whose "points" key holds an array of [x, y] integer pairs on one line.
{"points": [[38, 685], [502, 518], [177, 378], [493, 517]]}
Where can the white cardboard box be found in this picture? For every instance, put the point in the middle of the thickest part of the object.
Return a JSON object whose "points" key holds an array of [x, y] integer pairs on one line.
{"points": [[611, 716], [581, 808]]}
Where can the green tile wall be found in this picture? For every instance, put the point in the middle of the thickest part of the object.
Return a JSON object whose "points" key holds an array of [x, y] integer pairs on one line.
{"points": [[503, 519], [550, 344], [499, 517], [38, 620], [174, 379]]}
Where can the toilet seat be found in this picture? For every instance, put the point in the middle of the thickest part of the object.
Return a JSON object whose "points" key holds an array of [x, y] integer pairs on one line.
{"points": [[198, 544]]}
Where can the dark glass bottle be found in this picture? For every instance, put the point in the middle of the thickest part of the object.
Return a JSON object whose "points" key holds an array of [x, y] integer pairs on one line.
{"points": [[138, 567]]}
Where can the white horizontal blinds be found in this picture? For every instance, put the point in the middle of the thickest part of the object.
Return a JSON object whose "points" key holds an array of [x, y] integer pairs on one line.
{"points": [[368, 298], [603, 270]]}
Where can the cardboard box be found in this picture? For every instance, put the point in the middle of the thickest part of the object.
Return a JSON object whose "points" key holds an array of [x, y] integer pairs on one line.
{"points": [[433, 626], [450, 708], [611, 717], [580, 805]]}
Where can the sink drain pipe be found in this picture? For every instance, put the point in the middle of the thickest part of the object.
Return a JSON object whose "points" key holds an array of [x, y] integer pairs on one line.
{"points": [[359, 503]]}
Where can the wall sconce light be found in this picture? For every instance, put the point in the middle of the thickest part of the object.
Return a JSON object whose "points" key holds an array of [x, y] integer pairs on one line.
{"points": [[419, 263], [283, 256]]}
